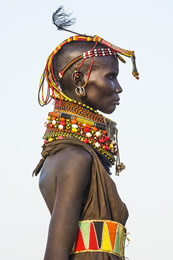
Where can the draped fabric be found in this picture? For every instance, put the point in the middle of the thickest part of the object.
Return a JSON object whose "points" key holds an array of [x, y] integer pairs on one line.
{"points": [[103, 202]]}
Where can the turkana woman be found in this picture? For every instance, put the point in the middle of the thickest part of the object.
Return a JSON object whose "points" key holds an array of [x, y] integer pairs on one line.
{"points": [[87, 214]]}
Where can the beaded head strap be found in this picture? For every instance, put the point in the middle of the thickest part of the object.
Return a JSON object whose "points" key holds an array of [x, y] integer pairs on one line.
{"points": [[53, 85]]}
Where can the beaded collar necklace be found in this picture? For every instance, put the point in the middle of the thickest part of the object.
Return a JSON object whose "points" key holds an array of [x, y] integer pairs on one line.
{"points": [[73, 119]]}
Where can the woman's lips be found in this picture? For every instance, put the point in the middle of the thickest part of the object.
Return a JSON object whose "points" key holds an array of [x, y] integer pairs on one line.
{"points": [[116, 102]]}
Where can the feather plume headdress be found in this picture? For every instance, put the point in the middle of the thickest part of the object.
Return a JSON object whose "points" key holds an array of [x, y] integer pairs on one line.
{"points": [[62, 20]]}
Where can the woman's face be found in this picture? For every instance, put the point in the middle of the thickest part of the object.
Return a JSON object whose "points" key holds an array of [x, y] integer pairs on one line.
{"points": [[103, 87]]}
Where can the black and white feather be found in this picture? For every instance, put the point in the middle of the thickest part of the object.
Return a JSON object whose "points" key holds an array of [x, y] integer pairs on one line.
{"points": [[61, 19]]}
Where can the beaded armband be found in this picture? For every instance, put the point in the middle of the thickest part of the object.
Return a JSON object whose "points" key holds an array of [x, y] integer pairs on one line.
{"points": [[100, 236]]}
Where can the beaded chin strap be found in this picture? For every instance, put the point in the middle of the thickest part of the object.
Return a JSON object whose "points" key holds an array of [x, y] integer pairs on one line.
{"points": [[53, 86]]}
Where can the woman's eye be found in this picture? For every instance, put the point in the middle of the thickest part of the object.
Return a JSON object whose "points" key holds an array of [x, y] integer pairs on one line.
{"points": [[112, 76]]}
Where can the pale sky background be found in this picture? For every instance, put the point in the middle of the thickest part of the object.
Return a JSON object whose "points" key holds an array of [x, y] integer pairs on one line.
{"points": [[144, 119]]}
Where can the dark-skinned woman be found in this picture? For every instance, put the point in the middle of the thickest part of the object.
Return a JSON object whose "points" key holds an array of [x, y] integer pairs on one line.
{"points": [[87, 215]]}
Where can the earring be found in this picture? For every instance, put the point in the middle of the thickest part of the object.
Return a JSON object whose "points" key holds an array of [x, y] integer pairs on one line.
{"points": [[78, 78], [80, 91]]}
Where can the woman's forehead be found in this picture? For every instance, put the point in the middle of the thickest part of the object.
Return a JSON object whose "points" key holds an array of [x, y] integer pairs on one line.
{"points": [[106, 63]]}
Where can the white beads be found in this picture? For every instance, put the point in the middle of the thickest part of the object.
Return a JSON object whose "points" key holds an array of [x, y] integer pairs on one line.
{"points": [[60, 127], [54, 122], [98, 52], [98, 133], [88, 134], [74, 126], [97, 144]]}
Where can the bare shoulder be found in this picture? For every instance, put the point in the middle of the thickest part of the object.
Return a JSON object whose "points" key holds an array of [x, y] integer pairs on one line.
{"points": [[70, 158], [70, 167]]}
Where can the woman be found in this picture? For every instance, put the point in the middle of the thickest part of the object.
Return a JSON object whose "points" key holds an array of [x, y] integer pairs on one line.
{"points": [[87, 214]]}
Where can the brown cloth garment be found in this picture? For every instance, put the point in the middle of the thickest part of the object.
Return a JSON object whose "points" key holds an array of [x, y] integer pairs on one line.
{"points": [[103, 201]]}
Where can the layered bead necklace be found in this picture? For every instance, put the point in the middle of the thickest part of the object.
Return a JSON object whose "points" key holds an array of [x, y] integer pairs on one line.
{"points": [[73, 119]]}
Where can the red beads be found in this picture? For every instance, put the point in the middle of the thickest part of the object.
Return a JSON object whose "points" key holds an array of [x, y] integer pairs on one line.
{"points": [[60, 137], [106, 147], [86, 141], [62, 123], [86, 129], [101, 141], [89, 134], [106, 138]]}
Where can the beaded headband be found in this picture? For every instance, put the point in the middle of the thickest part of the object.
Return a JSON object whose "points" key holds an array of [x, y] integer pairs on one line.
{"points": [[89, 54], [53, 85], [48, 73]]}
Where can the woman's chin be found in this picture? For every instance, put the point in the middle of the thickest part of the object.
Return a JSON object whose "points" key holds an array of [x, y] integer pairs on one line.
{"points": [[108, 109]]}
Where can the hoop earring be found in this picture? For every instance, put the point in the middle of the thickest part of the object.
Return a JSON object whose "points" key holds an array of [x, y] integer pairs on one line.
{"points": [[80, 91]]}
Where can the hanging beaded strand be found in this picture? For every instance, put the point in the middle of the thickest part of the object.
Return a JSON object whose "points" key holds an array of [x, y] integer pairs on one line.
{"points": [[48, 73], [92, 62]]}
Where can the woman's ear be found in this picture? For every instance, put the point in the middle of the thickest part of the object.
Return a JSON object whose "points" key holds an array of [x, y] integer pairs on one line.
{"points": [[78, 78]]}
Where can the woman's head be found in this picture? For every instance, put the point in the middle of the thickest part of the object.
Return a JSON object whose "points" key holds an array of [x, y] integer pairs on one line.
{"points": [[102, 88], [85, 69]]}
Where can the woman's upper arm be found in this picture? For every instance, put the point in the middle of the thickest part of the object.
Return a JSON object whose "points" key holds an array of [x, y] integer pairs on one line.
{"points": [[72, 167]]}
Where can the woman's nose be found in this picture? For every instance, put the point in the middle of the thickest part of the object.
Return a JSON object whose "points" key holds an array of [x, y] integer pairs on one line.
{"points": [[118, 89]]}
